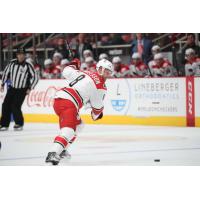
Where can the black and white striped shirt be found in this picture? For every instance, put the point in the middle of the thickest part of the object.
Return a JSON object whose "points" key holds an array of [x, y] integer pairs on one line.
{"points": [[21, 75]]}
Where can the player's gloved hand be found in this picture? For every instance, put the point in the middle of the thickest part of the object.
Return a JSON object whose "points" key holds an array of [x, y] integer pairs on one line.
{"points": [[96, 117]]}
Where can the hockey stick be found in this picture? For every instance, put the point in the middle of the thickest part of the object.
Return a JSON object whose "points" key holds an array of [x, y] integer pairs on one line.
{"points": [[71, 54]]}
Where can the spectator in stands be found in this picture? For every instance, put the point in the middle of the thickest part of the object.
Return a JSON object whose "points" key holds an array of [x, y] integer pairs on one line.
{"points": [[190, 43], [64, 63], [56, 70], [120, 70], [90, 64], [82, 45], [103, 56], [61, 48], [57, 57], [116, 39], [142, 46], [162, 67], [87, 53], [192, 66], [46, 73], [138, 68], [37, 66], [126, 38], [105, 39], [155, 49]]}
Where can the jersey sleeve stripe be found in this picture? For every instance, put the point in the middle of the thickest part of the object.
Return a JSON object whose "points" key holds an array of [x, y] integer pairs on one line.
{"points": [[79, 96]]}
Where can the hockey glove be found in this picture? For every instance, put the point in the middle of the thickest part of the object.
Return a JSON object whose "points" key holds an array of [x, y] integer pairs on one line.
{"points": [[96, 117]]}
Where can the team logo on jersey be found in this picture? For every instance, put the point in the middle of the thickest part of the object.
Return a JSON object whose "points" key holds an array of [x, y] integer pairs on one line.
{"points": [[118, 105]]}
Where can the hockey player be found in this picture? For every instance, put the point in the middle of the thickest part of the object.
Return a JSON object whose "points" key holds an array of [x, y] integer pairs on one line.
{"points": [[46, 73], [56, 70], [155, 49], [120, 70], [192, 66], [76, 62], [89, 64], [103, 56], [138, 67], [83, 88], [162, 67]]}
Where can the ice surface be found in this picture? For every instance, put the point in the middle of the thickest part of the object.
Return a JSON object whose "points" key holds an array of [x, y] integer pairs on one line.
{"points": [[104, 145]]}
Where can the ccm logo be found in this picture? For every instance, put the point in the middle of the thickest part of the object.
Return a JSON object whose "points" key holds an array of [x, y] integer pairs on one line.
{"points": [[190, 99]]}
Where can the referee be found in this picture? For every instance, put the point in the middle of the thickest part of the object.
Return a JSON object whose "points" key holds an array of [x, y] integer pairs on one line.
{"points": [[23, 78]]}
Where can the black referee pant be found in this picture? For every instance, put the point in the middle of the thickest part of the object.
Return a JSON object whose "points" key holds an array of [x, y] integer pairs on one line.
{"points": [[12, 104]]}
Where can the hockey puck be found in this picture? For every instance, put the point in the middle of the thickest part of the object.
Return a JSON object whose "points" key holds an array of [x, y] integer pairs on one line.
{"points": [[157, 160]]}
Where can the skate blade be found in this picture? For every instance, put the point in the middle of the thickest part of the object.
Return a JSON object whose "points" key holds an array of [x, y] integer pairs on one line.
{"points": [[66, 157], [51, 164], [21, 129], [48, 164], [65, 161], [2, 130]]}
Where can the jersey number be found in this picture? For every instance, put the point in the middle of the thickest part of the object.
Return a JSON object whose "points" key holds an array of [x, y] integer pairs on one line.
{"points": [[77, 80]]}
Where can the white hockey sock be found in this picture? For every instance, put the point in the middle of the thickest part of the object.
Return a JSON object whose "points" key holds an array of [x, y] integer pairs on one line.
{"points": [[57, 147], [62, 140], [79, 128]]}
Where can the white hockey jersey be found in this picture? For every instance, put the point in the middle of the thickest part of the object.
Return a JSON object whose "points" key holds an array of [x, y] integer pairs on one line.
{"points": [[151, 63], [139, 70], [83, 87], [165, 69], [193, 68]]}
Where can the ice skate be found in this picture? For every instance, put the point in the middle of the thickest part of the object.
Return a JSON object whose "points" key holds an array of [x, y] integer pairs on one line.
{"points": [[3, 128], [18, 127], [65, 154], [53, 158]]}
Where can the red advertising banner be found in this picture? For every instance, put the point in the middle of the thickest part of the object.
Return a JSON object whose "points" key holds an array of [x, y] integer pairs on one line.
{"points": [[190, 101]]}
